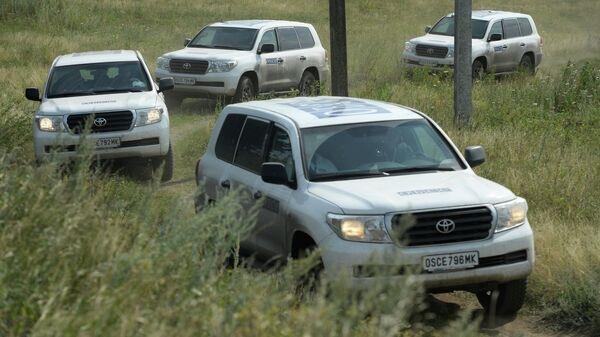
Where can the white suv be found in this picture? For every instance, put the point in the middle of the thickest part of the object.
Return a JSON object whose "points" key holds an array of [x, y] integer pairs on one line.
{"points": [[376, 188], [503, 42], [112, 95], [239, 59]]}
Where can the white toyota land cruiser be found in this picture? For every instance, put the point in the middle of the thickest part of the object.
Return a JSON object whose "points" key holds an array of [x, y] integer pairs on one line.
{"points": [[240, 59], [110, 93], [376, 188]]}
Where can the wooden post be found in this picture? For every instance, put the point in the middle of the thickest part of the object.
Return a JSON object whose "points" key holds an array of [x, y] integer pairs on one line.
{"points": [[463, 79], [337, 34]]}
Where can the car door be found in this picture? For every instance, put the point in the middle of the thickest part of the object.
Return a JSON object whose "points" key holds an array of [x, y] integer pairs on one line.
{"points": [[308, 55], [271, 64], [499, 51], [270, 235], [292, 65], [512, 41]]}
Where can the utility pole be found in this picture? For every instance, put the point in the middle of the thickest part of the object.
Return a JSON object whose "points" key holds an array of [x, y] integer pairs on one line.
{"points": [[463, 80], [337, 34]]}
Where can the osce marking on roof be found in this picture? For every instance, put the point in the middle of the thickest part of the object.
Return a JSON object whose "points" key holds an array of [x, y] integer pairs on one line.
{"points": [[327, 107]]}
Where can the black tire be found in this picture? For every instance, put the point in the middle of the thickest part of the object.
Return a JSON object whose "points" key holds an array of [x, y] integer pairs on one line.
{"points": [[478, 70], [527, 65], [246, 90], [165, 162], [309, 282], [309, 86], [510, 298], [172, 100]]}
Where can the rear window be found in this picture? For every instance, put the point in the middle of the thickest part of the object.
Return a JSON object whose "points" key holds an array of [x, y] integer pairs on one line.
{"points": [[525, 26], [249, 154], [230, 132], [305, 37], [511, 28], [288, 39]]}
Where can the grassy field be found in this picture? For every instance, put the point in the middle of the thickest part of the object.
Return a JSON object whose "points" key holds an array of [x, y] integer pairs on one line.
{"points": [[91, 254]]}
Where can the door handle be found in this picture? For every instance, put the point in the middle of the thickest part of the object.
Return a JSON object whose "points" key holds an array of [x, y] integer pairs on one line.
{"points": [[523, 44], [302, 58], [280, 60], [504, 46], [257, 195], [225, 184]]}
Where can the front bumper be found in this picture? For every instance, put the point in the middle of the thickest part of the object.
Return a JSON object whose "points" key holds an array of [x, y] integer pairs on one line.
{"points": [[205, 85], [342, 258], [144, 141], [433, 63]]}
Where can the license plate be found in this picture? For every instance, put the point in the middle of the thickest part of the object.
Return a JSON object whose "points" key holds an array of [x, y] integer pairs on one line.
{"points": [[428, 63], [106, 143], [184, 80], [450, 261]]}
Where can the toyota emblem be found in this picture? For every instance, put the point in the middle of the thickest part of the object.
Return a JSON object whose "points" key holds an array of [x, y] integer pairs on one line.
{"points": [[100, 122], [187, 66], [445, 226], [430, 51]]}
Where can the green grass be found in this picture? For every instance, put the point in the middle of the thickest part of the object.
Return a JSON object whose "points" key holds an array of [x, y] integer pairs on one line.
{"points": [[87, 254]]}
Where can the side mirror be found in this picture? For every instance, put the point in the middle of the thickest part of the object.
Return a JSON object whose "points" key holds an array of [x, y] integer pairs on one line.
{"points": [[33, 94], [475, 155], [274, 173], [165, 84], [186, 41], [266, 48], [495, 37], [427, 29]]}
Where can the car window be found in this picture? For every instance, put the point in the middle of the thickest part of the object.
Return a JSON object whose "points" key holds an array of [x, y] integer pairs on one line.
{"points": [[446, 27], [249, 153], [228, 138], [305, 37], [269, 37], [497, 29], [525, 26], [225, 38], [511, 28], [281, 151], [288, 39]]}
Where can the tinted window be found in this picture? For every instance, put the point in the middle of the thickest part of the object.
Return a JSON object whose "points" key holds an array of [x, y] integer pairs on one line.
{"points": [[446, 27], [249, 154], [525, 26], [497, 29], [305, 37], [230, 132], [269, 37], [281, 151], [225, 38], [511, 28], [288, 39]]}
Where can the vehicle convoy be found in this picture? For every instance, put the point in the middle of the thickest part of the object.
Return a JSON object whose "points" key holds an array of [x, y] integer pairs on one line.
{"points": [[107, 98], [376, 187], [240, 59], [503, 42]]}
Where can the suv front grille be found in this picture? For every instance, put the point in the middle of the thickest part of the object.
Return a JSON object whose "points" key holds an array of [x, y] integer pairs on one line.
{"points": [[419, 229], [115, 121], [431, 51], [188, 66]]}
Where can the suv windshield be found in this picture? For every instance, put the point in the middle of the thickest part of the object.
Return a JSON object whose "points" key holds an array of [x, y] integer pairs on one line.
{"points": [[446, 27], [225, 38], [97, 78], [375, 149]]}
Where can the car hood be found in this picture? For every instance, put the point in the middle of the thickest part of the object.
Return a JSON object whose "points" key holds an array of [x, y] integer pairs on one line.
{"points": [[208, 54], [401, 193], [442, 40], [98, 103]]}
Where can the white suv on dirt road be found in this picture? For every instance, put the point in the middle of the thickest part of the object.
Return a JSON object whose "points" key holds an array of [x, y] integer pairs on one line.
{"points": [[378, 188], [240, 59], [503, 42], [111, 95]]}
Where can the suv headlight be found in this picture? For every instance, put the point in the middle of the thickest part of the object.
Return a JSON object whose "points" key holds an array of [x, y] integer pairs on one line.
{"points": [[511, 214], [450, 52], [148, 116], [163, 63], [366, 228], [220, 66], [49, 123], [409, 47]]}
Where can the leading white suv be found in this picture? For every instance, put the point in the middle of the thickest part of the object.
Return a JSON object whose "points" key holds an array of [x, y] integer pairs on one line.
{"points": [[239, 59], [503, 42], [111, 95], [376, 188]]}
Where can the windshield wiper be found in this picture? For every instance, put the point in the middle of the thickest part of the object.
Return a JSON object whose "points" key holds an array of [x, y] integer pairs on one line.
{"points": [[117, 91], [418, 169], [227, 47], [71, 94], [200, 46], [347, 175]]}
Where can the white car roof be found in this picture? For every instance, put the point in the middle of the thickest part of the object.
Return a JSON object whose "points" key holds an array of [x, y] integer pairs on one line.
{"points": [[258, 24], [327, 110], [489, 15], [96, 57]]}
